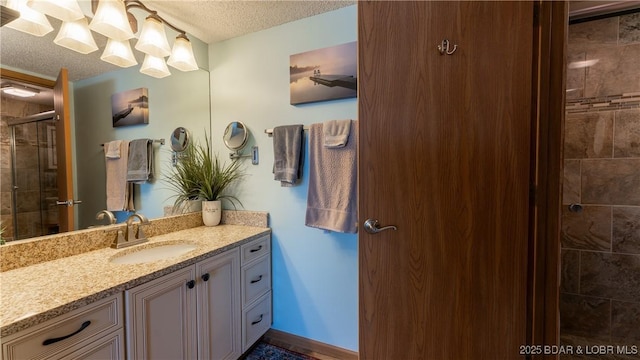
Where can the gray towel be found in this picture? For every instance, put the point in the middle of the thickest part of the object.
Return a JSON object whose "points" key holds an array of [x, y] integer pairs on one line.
{"points": [[332, 195], [336, 133], [140, 167], [288, 154]]}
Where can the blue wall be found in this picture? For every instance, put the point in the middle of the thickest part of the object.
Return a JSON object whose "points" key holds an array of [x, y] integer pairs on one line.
{"points": [[315, 279]]}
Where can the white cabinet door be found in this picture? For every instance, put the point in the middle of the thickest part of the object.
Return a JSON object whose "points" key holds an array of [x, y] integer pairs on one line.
{"points": [[161, 317], [219, 306]]}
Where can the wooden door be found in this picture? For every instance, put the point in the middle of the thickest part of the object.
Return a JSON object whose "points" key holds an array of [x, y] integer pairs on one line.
{"points": [[61, 104], [444, 155], [219, 306], [161, 318]]}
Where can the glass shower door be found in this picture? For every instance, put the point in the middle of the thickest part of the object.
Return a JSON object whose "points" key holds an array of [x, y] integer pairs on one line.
{"points": [[34, 179]]}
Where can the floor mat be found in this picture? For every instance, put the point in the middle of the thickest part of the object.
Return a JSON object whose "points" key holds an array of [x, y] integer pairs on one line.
{"points": [[264, 351]]}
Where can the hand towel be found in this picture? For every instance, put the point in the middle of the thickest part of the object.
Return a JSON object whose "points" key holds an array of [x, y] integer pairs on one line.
{"points": [[119, 192], [332, 196], [336, 133], [113, 149], [140, 167], [288, 142]]}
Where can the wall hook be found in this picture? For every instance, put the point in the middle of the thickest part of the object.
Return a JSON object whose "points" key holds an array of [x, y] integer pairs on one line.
{"points": [[443, 48]]}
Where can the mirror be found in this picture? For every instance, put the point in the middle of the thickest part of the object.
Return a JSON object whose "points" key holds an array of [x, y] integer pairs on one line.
{"points": [[235, 136], [93, 127], [180, 139]]}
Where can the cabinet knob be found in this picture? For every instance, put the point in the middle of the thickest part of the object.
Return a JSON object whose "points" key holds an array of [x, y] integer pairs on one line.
{"points": [[191, 284], [205, 277]]}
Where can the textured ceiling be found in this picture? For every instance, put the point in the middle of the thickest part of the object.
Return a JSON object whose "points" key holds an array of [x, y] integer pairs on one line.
{"points": [[208, 20]]}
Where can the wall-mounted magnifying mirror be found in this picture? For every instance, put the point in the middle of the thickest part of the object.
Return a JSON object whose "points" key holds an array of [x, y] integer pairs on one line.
{"points": [[235, 139], [180, 140], [235, 136]]}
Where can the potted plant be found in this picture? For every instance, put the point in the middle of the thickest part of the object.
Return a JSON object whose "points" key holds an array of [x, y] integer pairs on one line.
{"points": [[200, 175]]}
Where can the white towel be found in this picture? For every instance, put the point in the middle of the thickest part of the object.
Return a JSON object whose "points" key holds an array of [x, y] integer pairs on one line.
{"points": [[113, 149], [332, 195], [119, 192], [336, 133]]}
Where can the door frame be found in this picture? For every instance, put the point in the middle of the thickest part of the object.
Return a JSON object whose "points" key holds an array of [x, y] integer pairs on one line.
{"points": [[546, 172], [66, 160]]}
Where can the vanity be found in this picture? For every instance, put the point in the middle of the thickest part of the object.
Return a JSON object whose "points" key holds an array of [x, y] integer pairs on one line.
{"points": [[199, 292]]}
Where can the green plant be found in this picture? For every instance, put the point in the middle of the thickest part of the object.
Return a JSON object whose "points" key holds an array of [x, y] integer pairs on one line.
{"points": [[200, 175]]}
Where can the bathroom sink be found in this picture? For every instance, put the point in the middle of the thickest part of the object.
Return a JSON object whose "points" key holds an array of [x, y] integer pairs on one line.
{"points": [[149, 254]]}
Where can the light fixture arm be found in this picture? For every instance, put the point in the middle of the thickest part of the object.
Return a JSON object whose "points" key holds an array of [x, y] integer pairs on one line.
{"points": [[137, 4]]}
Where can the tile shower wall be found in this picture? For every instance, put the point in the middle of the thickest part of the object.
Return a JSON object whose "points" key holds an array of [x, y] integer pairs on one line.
{"points": [[33, 178], [600, 288]]}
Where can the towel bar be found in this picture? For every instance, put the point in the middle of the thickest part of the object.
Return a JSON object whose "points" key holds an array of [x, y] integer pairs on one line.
{"points": [[270, 131], [161, 141]]}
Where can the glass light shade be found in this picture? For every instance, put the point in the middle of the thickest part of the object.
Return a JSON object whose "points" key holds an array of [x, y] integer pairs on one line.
{"points": [[30, 21], [154, 66], [20, 91], [153, 40], [75, 35], [111, 20], [182, 55], [118, 53], [65, 10]]}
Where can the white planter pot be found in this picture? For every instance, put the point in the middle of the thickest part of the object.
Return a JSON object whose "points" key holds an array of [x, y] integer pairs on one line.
{"points": [[211, 212]]}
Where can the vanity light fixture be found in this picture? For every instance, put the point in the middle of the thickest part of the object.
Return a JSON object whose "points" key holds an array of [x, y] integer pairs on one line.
{"points": [[19, 90], [30, 21], [154, 66], [114, 20], [111, 20], [119, 53], [65, 10], [153, 40], [75, 35]]}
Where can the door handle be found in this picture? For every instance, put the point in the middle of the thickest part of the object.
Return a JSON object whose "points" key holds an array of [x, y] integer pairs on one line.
{"points": [[69, 202], [372, 226]]}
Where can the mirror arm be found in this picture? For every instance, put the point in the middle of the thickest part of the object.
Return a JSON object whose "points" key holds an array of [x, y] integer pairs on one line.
{"points": [[254, 155]]}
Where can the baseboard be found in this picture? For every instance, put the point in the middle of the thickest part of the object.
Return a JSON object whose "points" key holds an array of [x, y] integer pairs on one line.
{"points": [[308, 346]]}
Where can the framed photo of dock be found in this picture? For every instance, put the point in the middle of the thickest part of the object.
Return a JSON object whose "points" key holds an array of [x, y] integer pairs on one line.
{"points": [[130, 107], [324, 74]]}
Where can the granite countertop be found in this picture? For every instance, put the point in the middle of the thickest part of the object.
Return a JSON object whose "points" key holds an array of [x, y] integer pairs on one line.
{"points": [[33, 294]]}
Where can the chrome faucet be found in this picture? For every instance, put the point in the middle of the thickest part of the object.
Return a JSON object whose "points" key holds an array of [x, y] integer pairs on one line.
{"points": [[102, 213], [131, 238]]}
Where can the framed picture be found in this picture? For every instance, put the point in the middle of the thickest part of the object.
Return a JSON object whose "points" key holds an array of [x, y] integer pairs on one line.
{"points": [[324, 74], [130, 107]]}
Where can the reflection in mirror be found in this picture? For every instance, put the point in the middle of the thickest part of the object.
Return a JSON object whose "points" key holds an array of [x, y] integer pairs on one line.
{"points": [[235, 136], [180, 139], [29, 185]]}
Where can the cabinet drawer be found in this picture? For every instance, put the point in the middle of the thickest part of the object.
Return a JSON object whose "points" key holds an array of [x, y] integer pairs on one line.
{"points": [[255, 249], [256, 320], [256, 280], [76, 328]]}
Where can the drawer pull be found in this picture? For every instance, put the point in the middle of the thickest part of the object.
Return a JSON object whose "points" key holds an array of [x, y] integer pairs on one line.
{"points": [[256, 280], [82, 327], [257, 321], [191, 284], [205, 277], [256, 249]]}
